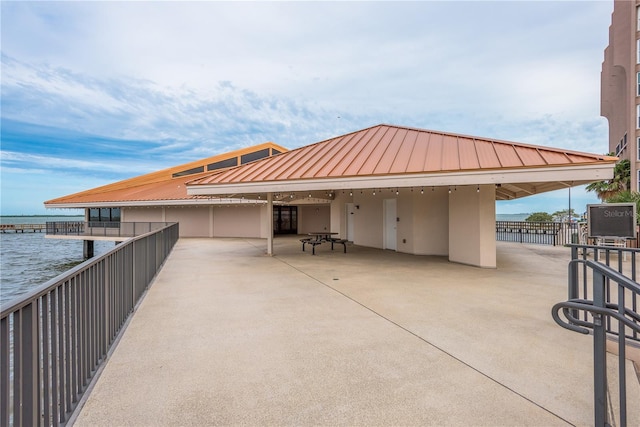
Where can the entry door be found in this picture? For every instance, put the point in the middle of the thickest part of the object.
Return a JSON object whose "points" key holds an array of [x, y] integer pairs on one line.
{"points": [[285, 219], [390, 224], [350, 221]]}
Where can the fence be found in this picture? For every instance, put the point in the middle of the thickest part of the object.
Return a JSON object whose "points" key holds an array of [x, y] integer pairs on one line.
{"points": [[543, 233], [53, 339], [102, 228]]}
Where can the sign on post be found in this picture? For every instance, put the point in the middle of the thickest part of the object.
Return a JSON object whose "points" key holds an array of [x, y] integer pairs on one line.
{"points": [[612, 220]]}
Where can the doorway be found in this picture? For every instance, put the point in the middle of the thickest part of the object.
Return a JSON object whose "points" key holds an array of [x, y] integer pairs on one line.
{"points": [[390, 219], [285, 220], [350, 220]]}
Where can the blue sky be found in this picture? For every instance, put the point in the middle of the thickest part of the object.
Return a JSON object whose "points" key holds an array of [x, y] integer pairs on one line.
{"points": [[96, 92]]}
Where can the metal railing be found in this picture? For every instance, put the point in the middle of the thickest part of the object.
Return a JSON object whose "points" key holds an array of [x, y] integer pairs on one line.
{"points": [[544, 233], [604, 297], [101, 228], [53, 339]]}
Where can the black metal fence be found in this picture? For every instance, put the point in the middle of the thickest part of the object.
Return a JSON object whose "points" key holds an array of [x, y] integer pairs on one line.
{"points": [[543, 233], [53, 339], [604, 298]]}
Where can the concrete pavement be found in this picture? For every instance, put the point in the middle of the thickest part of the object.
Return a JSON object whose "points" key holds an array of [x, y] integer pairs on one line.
{"points": [[229, 336]]}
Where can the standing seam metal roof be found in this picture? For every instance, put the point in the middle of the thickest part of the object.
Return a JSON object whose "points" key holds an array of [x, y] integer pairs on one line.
{"points": [[389, 150]]}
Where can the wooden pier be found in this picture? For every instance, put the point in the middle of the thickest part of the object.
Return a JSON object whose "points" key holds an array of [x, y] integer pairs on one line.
{"points": [[21, 228]]}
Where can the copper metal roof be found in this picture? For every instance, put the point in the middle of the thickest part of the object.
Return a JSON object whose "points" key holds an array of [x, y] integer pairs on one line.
{"points": [[157, 186], [376, 157], [386, 150]]}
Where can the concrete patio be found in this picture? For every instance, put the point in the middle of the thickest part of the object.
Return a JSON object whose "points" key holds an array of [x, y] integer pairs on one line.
{"points": [[229, 336]]}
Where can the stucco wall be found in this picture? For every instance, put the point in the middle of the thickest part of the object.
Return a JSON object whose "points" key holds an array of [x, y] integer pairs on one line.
{"points": [[206, 221], [431, 222], [237, 221], [368, 219], [194, 220], [141, 215], [314, 218], [472, 226], [338, 214]]}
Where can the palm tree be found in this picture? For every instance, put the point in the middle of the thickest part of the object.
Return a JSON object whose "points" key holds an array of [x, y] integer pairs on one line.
{"points": [[612, 187]]}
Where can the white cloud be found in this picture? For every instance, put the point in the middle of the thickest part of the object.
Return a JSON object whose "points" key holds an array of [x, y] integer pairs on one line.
{"points": [[14, 162], [198, 78]]}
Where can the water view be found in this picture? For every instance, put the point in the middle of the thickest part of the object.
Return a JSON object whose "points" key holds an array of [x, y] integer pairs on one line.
{"points": [[29, 259]]}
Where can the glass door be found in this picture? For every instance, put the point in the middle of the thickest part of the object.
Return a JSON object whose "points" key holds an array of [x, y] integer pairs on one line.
{"points": [[285, 220]]}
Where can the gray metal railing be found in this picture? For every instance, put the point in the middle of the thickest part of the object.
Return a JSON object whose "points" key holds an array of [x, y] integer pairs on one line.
{"points": [[53, 339], [604, 297], [101, 228]]}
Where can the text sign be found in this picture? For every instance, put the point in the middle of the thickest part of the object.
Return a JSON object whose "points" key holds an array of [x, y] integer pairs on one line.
{"points": [[612, 220]]}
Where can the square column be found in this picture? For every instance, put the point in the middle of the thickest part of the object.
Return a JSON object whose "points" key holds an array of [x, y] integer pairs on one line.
{"points": [[472, 225]]}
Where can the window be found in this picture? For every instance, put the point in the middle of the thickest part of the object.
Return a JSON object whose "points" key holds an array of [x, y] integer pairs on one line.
{"points": [[639, 178], [638, 46], [638, 150], [223, 164], [638, 92], [621, 146], [250, 157], [638, 116], [638, 17], [188, 172], [104, 214]]}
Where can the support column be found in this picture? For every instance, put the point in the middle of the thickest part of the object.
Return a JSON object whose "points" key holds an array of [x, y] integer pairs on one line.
{"points": [[270, 224], [87, 249], [472, 225]]}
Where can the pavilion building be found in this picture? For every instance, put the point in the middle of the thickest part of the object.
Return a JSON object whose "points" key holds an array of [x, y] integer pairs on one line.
{"points": [[390, 187]]}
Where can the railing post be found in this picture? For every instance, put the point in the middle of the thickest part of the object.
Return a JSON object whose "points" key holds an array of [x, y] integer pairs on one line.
{"points": [[599, 353], [574, 286]]}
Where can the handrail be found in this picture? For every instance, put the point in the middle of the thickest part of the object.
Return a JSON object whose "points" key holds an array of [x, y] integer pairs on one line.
{"points": [[54, 339], [602, 310], [609, 272], [587, 305]]}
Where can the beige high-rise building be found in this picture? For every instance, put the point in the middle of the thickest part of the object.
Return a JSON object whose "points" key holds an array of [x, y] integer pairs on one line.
{"points": [[620, 80]]}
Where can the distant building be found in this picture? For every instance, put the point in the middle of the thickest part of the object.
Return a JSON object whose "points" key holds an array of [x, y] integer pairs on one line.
{"points": [[620, 85]]}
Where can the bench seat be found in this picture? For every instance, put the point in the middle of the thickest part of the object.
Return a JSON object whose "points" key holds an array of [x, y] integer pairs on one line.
{"points": [[312, 242], [343, 242]]}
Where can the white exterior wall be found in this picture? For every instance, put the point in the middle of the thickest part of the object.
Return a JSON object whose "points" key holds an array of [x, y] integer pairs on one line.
{"points": [[460, 225], [205, 221], [422, 229], [194, 220], [430, 226], [472, 219], [339, 214], [239, 221], [368, 219], [142, 214], [314, 218]]}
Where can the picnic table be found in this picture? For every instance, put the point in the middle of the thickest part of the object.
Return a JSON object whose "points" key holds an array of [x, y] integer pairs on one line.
{"points": [[317, 237]]}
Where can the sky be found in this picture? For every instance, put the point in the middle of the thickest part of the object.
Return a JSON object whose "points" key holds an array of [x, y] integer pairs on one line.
{"points": [[95, 92]]}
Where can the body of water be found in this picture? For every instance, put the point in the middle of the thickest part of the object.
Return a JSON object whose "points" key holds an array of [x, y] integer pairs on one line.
{"points": [[28, 259], [512, 217]]}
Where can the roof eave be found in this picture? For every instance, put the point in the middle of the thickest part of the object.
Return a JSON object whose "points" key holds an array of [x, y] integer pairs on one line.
{"points": [[574, 173], [150, 203]]}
